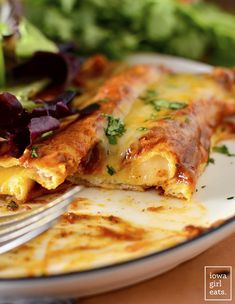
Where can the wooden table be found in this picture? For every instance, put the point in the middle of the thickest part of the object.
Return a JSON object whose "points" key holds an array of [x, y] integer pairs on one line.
{"points": [[183, 285]]}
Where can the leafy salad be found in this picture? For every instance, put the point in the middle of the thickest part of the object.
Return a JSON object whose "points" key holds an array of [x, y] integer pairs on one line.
{"points": [[194, 29], [29, 64]]}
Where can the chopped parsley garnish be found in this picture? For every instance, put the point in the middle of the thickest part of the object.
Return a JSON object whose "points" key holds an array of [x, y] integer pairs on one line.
{"points": [[165, 104], [230, 198], [187, 120], [115, 128], [149, 95], [103, 100], [76, 89], [142, 129], [111, 171], [153, 116], [12, 206], [223, 150], [34, 152], [210, 161], [47, 134]]}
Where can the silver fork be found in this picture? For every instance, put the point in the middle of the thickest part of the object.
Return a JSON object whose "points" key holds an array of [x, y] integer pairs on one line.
{"points": [[18, 229]]}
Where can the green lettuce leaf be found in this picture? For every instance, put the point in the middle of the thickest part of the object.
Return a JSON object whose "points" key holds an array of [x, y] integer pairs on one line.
{"points": [[25, 92], [32, 40]]}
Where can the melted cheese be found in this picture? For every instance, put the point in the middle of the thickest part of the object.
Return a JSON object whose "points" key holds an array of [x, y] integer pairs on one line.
{"points": [[15, 182], [7, 162], [157, 166]]}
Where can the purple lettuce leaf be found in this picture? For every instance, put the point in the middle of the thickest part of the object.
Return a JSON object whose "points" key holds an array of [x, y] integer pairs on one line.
{"points": [[58, 107], [40, 125], [20, 128], [61, 68], [88, 110], [10, 110]]}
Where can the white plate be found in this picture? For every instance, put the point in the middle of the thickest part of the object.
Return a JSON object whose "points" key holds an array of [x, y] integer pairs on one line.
{"points": [[148, 240]]}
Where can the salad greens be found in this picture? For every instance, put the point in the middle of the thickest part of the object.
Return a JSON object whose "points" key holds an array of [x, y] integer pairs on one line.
{"points": [[25, 92], [19, 39], [29, 63], [116, 27], [2, 67], [32, 40]]}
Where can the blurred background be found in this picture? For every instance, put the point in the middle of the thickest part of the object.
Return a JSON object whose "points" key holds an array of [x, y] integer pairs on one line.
{"points": [[201, 30]]}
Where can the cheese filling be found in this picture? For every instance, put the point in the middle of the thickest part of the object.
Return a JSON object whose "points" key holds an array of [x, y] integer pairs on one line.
{"points": [[15, 182]]}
